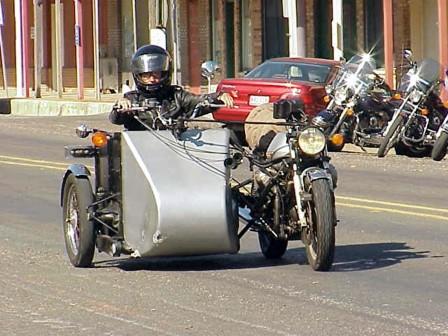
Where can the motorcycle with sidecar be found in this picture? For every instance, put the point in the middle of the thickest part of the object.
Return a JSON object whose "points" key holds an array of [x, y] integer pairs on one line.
{"points": [[168, 191]]}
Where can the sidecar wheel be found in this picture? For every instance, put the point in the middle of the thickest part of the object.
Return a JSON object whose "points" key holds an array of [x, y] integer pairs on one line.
{"points": [[271, 247], [390, 138], [319, 240], [439, 149], [79, 231]]}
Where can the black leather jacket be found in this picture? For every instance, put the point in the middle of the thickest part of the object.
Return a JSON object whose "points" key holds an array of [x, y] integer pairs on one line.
{"points": [[180, 102]]}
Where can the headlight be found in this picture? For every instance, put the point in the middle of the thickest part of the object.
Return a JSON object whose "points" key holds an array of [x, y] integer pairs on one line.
{"points": [[415, 96], [340, 95], [328, 89], [312, 141]]}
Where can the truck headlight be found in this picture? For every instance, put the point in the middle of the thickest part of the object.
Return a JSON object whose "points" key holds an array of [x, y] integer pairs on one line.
{"points": [[311, 141]]}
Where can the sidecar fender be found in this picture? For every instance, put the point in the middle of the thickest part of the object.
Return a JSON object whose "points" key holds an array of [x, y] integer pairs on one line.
{"points": [[79, 170]]}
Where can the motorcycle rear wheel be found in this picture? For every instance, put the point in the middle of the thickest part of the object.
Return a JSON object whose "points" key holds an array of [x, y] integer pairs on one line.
{"points": [[388, 140], [319, 240], [79, 231], [271, 247], [439, 149]]}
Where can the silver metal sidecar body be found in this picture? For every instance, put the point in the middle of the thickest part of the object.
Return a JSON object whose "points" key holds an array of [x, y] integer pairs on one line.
{"points": [[176, 195]]}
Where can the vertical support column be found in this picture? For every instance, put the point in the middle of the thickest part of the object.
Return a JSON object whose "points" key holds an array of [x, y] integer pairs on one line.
{"points": [[337, 30], [134, 24], [193, 46], [443, 41], [79, 48], [58, 47], [26, 47], [290, 11], [19, 52], [388, 42], [37, 48], [301, 28], [96, 50], [2, 51]]}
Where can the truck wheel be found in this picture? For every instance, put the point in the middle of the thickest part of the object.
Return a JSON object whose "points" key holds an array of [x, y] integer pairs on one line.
{"points": [[79, 230], [319, 238], [439, 149], [271, 247]]}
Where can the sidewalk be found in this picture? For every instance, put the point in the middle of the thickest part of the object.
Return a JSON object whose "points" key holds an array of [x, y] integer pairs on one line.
{"points": [[51, 105]]}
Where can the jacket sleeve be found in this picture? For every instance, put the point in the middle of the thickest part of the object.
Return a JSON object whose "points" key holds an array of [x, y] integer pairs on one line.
{"points": [[118, 118], [188, 101]]}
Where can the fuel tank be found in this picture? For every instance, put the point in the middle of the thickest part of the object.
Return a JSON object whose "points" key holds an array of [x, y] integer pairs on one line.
{"points": [[176, 195]]}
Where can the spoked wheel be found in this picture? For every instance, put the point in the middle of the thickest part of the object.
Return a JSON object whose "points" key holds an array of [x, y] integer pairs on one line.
{"points": [[79, 231], [271, 247], [439, 149], [390, 137], [319, 239]]}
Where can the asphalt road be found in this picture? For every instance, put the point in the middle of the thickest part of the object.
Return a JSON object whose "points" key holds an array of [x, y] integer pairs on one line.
{"points": [[389, 276]]}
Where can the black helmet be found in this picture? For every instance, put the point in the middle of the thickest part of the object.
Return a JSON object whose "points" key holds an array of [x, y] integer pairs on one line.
{"points": [[150, 58]]}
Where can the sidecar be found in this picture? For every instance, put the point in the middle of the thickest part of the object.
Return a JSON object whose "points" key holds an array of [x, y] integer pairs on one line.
{"points": [[152, 194]]}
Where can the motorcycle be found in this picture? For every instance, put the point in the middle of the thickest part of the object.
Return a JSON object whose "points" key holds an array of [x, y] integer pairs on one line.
{"points": [[168, 191], [419, 112], [359, 108], [440, 146]]}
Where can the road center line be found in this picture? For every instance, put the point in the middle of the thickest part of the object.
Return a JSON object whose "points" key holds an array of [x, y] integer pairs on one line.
{"points": [[402, 212], [401, 205], [14, 158]]}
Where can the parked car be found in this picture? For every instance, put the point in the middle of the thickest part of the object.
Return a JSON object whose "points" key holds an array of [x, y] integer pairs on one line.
{"points": [[275, 79]]}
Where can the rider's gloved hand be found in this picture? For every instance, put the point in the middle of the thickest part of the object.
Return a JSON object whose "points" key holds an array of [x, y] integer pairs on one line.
{"points": [[226, 99], [123, 104]]}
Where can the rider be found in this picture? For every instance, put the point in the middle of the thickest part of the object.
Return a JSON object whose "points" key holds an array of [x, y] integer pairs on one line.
{"points": [[151, 69]]}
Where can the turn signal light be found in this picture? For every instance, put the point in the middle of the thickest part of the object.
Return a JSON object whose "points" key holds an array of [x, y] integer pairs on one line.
{"points": [[425, 111], [327, 99], [99, 139], [396, 96], [337, 139], [349, 112], [445, 103]]}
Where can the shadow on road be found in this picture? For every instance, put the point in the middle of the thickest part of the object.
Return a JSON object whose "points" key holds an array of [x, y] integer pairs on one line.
{"points": [[206, 263], [348, 258], [363, 257]]}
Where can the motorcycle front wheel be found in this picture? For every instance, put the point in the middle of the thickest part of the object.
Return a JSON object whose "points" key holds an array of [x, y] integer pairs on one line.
{"points": [[439, 149], [319, 238], [79, 230], [389, 138]]}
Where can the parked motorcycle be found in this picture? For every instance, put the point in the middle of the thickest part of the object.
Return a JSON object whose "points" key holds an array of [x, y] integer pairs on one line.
{"points": [[359, 108], [440, 146], [419, 114], [167, 191]]}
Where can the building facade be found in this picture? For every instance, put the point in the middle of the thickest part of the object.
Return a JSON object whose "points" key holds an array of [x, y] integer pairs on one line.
{"points": [[89, 43]]}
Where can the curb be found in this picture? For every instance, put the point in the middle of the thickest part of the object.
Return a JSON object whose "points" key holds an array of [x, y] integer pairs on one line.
{"points": [[46, 107]]}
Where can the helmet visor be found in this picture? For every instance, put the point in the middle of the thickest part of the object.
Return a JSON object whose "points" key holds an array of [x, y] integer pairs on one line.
{"points": [[150, 63]]}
